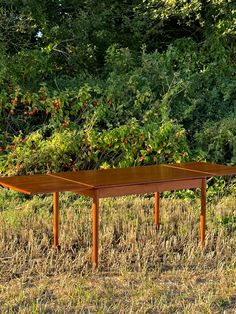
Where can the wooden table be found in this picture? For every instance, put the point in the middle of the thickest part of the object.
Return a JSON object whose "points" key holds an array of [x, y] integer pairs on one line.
{"points": [[118, 182]]}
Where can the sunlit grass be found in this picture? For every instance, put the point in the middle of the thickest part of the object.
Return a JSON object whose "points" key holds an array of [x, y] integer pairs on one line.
{"points": [[141, 270]]}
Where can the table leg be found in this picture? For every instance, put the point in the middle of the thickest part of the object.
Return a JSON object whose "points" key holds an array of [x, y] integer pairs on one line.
{"points": [[56, 218], [157, 209], [95, 210], [203, 212]]}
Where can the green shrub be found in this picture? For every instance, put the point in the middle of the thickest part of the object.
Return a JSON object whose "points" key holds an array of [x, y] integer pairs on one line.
{"points": [[134, 144], [71, 149], [218, 141], [39, 153], [156, 95]]}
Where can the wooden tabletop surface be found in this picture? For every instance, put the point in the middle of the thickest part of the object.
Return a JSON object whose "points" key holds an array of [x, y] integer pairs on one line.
{"points": [[94, 179], [40, 183], [129, 176], [208, 168]]}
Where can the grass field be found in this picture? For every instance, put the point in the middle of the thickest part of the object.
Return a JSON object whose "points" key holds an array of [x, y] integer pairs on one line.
{"points": [[141, 270]]}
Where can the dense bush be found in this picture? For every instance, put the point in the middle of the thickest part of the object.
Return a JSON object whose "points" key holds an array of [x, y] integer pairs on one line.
{"points": [[79, 141], [161, 89], [218, 140]]}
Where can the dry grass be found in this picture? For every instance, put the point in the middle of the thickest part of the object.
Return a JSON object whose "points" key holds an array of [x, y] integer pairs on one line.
{"points": [[141, 270]]}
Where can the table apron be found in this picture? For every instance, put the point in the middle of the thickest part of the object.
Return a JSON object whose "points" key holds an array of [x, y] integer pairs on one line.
{"points": [[142, 188]]}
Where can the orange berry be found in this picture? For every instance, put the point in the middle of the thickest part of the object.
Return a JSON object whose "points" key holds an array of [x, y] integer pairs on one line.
{"points": [[110, 102], [65, 123]]}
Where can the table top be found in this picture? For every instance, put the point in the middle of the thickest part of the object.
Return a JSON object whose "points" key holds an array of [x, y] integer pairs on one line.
{"points": [[212, 170], [40, 183], [95, 179], [129, 176], [146, 174]]}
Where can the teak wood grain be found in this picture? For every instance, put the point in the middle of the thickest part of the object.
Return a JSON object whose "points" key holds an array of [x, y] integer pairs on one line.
{"points": [[211, 170], [40, 184], [113, 191], [129, 176]]}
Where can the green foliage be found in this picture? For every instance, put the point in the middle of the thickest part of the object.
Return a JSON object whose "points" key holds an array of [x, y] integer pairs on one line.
{"points": [[218, 141], [136, 82], [195, 90], [39, 153], [135, 144], [70, 149], [76, 34]]}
